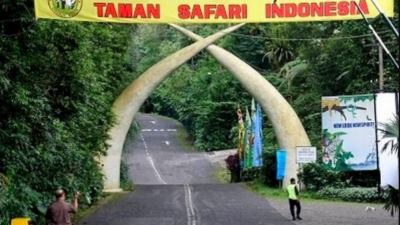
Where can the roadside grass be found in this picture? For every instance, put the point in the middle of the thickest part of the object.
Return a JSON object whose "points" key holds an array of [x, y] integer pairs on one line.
{"points": [[105, 198], [258, 188], [274, 192], [262, 190], [222, 174], [126, 183], [183, 137]]}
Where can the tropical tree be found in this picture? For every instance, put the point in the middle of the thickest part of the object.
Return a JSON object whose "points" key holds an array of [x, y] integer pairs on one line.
{"points": [[291, 70], [390, 130], [277, 49]]}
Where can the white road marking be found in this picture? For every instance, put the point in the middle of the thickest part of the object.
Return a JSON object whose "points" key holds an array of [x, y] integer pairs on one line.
{"points": [[189, 205], [167, 142], [155, 170], [147, 130], [158, 175], [153, 122]]}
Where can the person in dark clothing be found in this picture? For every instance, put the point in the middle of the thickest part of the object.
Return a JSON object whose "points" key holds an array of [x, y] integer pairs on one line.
{"points": [[294, 199], [58, 212]]}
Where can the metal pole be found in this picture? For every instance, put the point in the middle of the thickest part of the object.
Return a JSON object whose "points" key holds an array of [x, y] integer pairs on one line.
{"points": [[396, 97], [377, 145], [380, 68], [377, 36], [378, 7]]}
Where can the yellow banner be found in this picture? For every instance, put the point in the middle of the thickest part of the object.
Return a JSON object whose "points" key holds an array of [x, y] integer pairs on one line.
{"points": [[207, 11]]}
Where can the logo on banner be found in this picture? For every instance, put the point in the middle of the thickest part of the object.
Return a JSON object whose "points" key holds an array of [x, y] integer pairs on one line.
{"points": [[65, 8]]}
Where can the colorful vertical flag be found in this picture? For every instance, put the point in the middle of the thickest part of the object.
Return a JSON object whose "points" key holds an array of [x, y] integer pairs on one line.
{"points": [[259, 114], [253, 129], [248, 150], [241, 131], [257, 134]]}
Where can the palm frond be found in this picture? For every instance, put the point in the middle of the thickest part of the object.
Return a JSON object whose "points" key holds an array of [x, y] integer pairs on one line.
{"points": [[390, 130], [391, 199]]}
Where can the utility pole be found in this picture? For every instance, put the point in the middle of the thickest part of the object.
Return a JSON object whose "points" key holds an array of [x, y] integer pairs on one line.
{"points": [[380, 68], [381, 79]]}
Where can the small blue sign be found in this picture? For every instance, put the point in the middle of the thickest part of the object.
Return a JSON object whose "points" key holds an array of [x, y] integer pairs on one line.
{"points": [[280, 164]]}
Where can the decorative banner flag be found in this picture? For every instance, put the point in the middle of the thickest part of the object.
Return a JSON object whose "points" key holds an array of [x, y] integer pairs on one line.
{"points": [[248, 151], [257, 132], [280, 164], [208, 11], [241, 130], [349, 138], [259, 115]]}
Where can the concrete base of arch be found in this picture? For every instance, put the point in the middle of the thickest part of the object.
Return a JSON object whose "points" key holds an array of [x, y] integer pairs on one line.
{"points": [[113, 190]]}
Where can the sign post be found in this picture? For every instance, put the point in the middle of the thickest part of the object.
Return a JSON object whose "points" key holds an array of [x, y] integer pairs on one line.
{"points": [[305, 154], [280, 165]]}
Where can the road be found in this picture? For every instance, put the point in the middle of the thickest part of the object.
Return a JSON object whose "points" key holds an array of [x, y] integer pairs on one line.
{"points": [[175, 186]]}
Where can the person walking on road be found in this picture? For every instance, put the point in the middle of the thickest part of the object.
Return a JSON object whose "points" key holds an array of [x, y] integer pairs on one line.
{"points": [[294, 199], [58, 212]]}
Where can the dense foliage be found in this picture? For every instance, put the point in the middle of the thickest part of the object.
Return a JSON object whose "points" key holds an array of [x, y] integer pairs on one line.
{"points": [[355, 194], [58, 81]]}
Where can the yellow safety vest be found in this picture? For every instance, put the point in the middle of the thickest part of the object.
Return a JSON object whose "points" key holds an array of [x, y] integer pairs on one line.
{"points": [[292, 192]]}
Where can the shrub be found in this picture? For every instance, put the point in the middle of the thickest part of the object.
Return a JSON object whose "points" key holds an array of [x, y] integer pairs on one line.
{"points": [[232, 162], [233, 165], [268, 170], [316, 177], [355, 194], [250, 174]]}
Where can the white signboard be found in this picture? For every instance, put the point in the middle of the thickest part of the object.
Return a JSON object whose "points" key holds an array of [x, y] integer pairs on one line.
{"points": [[388, 162], [306, 154]]}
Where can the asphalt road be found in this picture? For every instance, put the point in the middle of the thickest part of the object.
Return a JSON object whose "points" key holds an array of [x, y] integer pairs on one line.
{"points": [[177, 187]]}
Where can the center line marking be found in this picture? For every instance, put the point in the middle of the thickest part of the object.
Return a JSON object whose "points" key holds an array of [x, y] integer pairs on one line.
{"points": [[158, 175], [189, 205]]}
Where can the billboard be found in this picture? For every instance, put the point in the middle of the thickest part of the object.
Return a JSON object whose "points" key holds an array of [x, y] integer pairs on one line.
{"points": [[349, 132], [207, 11], [386, 104]]}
